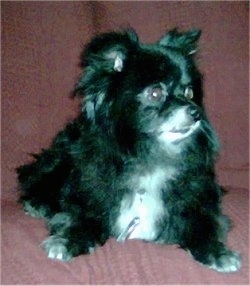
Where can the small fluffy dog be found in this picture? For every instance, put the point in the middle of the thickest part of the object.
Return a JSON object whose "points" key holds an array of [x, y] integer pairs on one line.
{"points": [[138, 162]]}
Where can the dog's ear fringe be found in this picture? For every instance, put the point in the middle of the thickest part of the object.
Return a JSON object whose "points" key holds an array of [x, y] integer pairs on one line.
{"points": [[106, 53], [184, 41]]}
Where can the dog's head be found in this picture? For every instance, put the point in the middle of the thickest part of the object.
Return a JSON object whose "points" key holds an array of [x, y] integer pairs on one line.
{"points": [[136, 91]]}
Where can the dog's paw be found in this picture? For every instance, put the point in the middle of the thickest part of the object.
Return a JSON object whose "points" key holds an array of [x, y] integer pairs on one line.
{"points": [[58, 248], [55, 247], [228, 262]]}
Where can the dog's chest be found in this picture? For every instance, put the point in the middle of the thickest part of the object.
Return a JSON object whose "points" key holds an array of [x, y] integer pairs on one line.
{"points": [[142, 210]]}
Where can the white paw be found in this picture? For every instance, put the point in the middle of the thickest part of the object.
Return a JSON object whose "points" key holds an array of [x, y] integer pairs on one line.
{"points": [[55, 247], [91, 250], [228, 262]]}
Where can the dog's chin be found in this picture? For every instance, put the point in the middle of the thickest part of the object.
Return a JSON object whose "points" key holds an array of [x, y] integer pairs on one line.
{"points": [[178, 134]]}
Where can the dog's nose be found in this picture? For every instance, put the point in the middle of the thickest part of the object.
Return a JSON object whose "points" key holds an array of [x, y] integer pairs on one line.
{"points": [[194, 113]]}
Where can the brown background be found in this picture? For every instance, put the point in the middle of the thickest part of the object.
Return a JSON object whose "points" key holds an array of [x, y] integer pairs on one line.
{"points": [[41, 43]]}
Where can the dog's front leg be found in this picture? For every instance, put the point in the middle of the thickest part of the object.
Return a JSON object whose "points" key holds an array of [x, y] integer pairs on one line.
{"points": [[217, 256], [71, 236], [203, 237]]}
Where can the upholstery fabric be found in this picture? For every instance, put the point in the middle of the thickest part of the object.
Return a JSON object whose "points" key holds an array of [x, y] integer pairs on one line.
{"points": [[41, 44]]}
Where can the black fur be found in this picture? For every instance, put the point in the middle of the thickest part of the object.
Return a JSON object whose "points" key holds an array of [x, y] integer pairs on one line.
{"points": [[139, 160]]}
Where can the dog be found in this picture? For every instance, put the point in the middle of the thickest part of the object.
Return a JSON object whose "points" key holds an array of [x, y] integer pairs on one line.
{"points": [[138, 161]]}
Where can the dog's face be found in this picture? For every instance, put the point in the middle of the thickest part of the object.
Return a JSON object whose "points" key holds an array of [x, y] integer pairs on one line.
{"points": [[140, 91]]}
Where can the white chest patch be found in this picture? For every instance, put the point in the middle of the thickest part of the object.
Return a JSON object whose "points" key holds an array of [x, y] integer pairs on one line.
{"points": [[140, 211]]}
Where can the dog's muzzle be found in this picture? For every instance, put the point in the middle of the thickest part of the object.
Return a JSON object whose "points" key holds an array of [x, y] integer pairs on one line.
{"points": [[183, 122]]}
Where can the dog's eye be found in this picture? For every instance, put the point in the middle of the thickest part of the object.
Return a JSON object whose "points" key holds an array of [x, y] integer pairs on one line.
{"points": [[188, 93], [155, 93]]}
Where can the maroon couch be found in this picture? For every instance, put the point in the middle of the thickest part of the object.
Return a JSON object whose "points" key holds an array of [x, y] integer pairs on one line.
{"points": [[41, 44]]}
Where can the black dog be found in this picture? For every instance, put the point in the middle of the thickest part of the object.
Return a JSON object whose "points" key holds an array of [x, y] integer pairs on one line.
{"points": [[138, 162]]}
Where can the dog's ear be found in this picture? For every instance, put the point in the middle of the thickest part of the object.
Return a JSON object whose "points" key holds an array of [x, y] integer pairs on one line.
{"points": [[109, 51], [103, 58], [184, 41]]}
